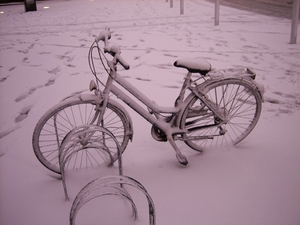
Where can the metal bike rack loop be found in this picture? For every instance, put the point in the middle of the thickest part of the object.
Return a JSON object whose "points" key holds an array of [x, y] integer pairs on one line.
{"points": [[68, 149], [98, 188]]}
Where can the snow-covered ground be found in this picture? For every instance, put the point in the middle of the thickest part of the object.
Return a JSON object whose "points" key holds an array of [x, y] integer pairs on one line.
{"points": [[43, 58]]}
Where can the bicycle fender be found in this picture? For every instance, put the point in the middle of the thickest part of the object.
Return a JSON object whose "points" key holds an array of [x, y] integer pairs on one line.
{"points": [[260, 89], [88, 97], [126, 115]]}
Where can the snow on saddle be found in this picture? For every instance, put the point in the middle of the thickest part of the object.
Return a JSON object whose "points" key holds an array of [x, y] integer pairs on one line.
{"points": [[198, 65]]}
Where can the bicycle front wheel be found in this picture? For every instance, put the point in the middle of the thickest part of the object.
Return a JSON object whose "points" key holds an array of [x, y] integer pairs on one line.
{"points": [[237, 99], [60, 120]]}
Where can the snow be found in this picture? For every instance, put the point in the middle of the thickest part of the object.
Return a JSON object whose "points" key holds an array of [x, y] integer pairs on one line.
{"points": [[194, 65], [43, 58]]}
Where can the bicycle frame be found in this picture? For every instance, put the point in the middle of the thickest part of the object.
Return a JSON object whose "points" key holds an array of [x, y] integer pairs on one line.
{"points": [[167, 127], [171, 127]]}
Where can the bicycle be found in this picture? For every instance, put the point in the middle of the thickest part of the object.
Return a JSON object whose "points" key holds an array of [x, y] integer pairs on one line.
{"points": [[221, 108]]}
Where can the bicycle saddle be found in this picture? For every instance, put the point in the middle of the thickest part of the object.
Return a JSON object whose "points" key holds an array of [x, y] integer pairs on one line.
{"points": [[198, 65]]}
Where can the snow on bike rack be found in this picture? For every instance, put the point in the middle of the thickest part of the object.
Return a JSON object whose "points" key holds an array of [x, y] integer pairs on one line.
{"points": [[79, 139], [111, 185]]}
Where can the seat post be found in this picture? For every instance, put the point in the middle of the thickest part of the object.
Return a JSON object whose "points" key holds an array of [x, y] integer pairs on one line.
{"points": [[186, 84]]}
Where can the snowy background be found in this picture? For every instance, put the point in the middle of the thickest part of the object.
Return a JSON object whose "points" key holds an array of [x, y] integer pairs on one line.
{"points": [[43, 58]]}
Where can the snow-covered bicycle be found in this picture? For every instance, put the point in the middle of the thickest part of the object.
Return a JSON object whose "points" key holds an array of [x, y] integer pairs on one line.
{"points": [[221, 108]]}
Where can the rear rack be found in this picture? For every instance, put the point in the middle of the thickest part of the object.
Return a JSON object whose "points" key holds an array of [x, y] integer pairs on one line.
{"points": [[232, 72]]}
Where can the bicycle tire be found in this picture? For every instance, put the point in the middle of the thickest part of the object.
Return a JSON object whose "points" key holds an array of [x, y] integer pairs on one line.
{"points": [[66, 116], [238, 99]]}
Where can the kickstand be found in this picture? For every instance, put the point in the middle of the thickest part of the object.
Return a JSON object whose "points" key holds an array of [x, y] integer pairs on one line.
{"points": [[180, 157]]}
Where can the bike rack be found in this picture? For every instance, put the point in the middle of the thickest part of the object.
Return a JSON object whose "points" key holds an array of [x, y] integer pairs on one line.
{"points": [[67, 149], [109, 185], [98, 188]]}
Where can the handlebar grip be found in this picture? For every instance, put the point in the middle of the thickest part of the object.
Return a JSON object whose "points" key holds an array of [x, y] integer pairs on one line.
{"points": [[116, 52]]}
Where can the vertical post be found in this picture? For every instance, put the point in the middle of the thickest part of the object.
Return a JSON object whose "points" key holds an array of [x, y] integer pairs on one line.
{"points": [[295, 19], [30, 5], [217, 12], [181, 7], [171, 3]]}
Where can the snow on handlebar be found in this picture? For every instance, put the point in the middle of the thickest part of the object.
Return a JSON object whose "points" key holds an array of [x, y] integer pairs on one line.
{"points": [[113, 50], [104, 35]]}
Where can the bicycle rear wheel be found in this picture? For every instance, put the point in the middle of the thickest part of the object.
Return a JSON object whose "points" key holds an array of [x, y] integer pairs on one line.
{"points": [[53, 127], [235, 98]]}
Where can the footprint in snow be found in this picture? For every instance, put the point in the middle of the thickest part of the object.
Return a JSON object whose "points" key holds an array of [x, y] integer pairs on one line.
{"points": [[45, 53], [245, 58], [170, 55], [23, 114], [3, 79], [171, 86], [50, 82], [163, 66], [142, 79], [55, 70], [66, 57], [272, 100], [23, 51], [11, 69], [31, 46], [33, 89], [26, 94]]}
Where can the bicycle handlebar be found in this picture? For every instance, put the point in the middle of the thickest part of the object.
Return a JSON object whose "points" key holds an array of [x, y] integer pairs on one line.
{"points": [[113, 50]]}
